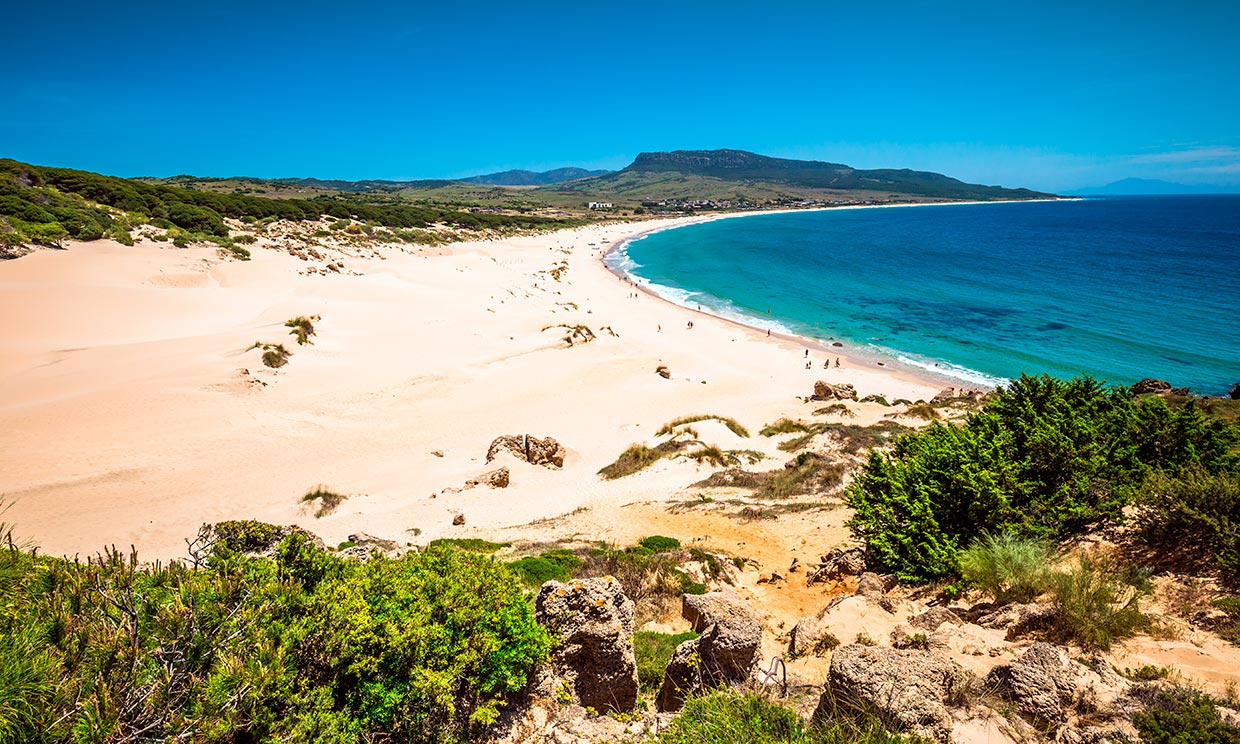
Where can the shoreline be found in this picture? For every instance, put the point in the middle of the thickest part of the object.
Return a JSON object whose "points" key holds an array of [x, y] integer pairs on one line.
{"points": [[855, 353]]}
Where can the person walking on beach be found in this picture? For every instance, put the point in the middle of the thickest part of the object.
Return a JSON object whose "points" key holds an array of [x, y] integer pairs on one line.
{"points": [[837, 362], [807, 353]]}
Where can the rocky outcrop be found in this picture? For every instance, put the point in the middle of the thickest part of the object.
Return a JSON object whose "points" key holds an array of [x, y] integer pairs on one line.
{"points": [[1019, 620], [592, 622], [875, 585], [811, 636], [1150, 385], [931, 619], [497, 478], [1235, 391], [663, 371], [826, 391], [1041, 684], [909, 690], [836, 564], [725, 653], [546, 452]]}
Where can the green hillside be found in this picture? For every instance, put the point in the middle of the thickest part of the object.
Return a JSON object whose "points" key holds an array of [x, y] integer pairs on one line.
{"points": [[47, 205], [755, 171]]}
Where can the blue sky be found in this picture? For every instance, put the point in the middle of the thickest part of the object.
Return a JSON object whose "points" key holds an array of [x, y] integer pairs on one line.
{"points": [[1048, 95]]}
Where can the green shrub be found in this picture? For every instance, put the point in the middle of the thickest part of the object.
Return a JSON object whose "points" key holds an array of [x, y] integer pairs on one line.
{"points": [[553, 565], [1193, 512], [659, 543], [1183, 716], [785, 426], [727, 716], [1097, 602], [1009, 567], [1042, 457], [246, 536], [639, 457], [653, 651], [472, 544], [301, 647]]}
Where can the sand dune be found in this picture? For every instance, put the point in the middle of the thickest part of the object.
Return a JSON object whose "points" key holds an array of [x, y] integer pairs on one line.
{"points": [[131, 411]]}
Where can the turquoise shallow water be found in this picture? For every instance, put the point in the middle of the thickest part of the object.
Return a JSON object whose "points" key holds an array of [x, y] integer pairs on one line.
{"points": [[1118, 288]]}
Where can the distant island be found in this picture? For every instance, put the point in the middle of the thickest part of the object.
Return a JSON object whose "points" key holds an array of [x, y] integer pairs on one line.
{"points": [[1150, 186]]}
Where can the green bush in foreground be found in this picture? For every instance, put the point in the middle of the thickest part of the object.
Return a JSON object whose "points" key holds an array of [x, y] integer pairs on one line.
{"points": [[1184, 717], [553, 565], [302, 647], [728, 716], [1043, 457]]}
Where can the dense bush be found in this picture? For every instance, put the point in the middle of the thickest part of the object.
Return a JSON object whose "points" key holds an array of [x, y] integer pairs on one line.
{"points": [[553, 565], [1184, 717], [46, 205], [1195, 513], [302, 647], [1044, 457]]}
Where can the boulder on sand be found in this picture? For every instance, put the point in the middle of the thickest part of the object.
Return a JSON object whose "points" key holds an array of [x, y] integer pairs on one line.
{"points": [[826, 391], [535, 451]]}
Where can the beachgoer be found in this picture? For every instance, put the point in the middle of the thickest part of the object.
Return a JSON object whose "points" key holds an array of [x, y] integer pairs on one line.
{"points": [[826, 364], [768, 332], [837, 361], [691, 325], [660, 328], [807, 353]]}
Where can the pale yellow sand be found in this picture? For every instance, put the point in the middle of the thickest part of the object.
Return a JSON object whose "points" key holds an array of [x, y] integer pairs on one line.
{"points": [[125, 416]]}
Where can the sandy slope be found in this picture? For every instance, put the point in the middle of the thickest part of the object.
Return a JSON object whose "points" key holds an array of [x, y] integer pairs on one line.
{"points": [[127, 416]]}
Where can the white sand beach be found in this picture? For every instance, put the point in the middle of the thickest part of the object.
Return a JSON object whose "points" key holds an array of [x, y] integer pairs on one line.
{"points": [[131, 412]]}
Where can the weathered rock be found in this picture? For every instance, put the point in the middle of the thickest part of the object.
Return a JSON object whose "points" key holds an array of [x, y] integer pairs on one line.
{"points": [[1150, 385], [592, 620], [546, 452], [811, 637], [931, 619], [824, 390], [497, 478], [663, 371], [458, 520], [370, 541], [1019, 619], [1235, 391], [725, 653], [837, 563], [1041, 683], [909, 690], [874, 585]]}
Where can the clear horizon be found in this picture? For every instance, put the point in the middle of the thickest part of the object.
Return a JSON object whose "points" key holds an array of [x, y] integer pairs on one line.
{"points": [[1054, 97]]}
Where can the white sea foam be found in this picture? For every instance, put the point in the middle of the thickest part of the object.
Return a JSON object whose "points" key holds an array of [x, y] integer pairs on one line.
{"points": [[956, 371]]}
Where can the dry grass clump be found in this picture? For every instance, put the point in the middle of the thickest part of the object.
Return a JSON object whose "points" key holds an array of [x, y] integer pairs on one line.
{"points": [[731, 423], [808, 474], [302, 327], [274, 355], [838, 409], [327, 500], [639, 457], [574, 334], [784, 426]]}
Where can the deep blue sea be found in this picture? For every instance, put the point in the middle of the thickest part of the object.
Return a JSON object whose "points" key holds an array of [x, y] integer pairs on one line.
{"points": [[1120, 288]]}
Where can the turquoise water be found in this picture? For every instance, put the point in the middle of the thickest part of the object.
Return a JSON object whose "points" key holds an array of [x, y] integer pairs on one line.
{"points": [[1118, 288]]}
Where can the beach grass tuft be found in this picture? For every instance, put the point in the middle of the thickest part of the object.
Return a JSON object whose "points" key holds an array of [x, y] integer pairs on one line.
{"points": [[731, 423], [328, 501]]}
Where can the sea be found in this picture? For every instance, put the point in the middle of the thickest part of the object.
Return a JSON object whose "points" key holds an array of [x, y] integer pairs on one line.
{"points": [[1119, 288]]}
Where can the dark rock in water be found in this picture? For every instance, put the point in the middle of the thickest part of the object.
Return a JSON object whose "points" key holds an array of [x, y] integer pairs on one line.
{"points": [[1150, 385], [1182, 392], [837, 343], [1235, 392]]}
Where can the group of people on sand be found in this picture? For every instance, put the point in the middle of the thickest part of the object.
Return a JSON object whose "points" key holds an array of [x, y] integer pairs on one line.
{"points": [[809, 364]]}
